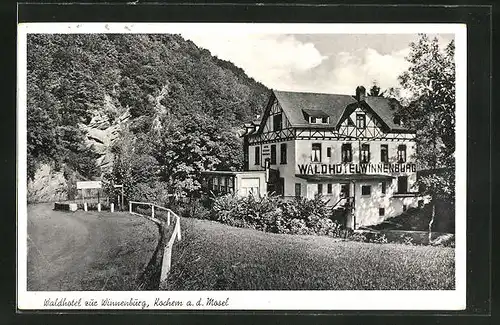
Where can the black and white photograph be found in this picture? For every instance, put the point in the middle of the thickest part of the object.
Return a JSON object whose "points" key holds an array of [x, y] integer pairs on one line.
{"points": [[241, 166]]}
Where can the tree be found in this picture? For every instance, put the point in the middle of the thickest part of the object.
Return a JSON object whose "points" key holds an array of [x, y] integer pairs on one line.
{"points": [[430, 83], [135, 167], [193, 144], [70, 76]]}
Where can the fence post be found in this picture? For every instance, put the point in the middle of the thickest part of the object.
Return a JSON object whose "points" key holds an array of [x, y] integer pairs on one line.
{"points": [[178, 225], [98, 207], [165, 265], [168, 217], [130, 207], [152, 211], [85, 206], [112, 207]]}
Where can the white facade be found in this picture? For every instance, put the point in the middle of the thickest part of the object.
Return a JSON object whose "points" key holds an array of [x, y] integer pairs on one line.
{"points": [[314, 161]]}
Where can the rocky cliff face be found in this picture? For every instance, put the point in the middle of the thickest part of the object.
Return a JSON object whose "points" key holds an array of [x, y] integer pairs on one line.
{"points": [[47, 185], [103, 130]]}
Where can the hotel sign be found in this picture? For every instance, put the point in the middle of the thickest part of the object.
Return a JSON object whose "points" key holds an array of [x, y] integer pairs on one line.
{"points": [[338, 169], [88, 184]]}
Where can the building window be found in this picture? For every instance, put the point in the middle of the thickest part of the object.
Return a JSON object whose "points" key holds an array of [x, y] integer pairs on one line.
{"points": [[316, 152], [298, 189], [401, 153], [216, 184], [320, 188], [283, 153], [384, 153], [329, 152], [346, 153], [230, 184], [273, 154], [383, 187], [257, 155], [365, 153], [318, 120], [366, 190], [329, 188], [277, 122], [402, 184], [381, 212], [360, 121], [223, 187]]}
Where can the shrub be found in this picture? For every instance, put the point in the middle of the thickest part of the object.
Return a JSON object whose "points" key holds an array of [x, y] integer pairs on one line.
{"points": [[380, 239], [407, 240], [361, 237], [369, 237], [327, 227], [298, 227], [223, 206], [273, 214]]}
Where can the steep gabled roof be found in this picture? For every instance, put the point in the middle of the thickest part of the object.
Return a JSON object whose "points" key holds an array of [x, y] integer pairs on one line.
{"points": [[294, 104], [385, 109], [298, 105]]}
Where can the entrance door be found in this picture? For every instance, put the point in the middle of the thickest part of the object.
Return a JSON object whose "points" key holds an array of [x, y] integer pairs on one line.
{"points": [[344, 190]]}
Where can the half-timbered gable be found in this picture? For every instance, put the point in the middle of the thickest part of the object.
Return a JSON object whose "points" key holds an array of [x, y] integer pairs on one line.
{"points": [[360, 122], [275, 125]]}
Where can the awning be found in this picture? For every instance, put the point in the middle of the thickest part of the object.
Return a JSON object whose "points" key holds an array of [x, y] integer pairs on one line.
{"points": [[345, 177]]}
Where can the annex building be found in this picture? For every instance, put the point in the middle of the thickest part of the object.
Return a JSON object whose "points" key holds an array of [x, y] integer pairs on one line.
{"points": [[352, 150]]}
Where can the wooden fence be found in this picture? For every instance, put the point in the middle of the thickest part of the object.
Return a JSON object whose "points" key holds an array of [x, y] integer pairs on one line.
{"points": [[164, 225]]}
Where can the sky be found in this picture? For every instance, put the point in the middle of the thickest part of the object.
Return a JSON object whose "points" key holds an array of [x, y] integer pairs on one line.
{"points": [[328, 63]]}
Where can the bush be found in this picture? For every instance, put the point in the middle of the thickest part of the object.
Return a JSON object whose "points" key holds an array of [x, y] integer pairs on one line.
{"points": [[273, 214], [193, 209]]}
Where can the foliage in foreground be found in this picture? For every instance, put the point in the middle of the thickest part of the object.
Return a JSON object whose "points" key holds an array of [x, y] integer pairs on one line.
{"points": [[299, 216]]}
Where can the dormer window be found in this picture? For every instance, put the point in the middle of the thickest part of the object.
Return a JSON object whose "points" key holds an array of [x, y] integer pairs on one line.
{"points": [[397, 120], [319, 120], [314, 116]]}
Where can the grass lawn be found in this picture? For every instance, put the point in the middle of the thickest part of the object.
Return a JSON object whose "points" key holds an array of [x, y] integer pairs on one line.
{"points": [[87, 250], [213, 256]]}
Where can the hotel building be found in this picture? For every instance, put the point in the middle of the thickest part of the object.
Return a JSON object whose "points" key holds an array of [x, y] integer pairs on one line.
{"points": [[353, 150]]}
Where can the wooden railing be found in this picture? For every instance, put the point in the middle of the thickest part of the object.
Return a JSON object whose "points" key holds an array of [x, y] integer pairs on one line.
{"points": [[176, 234], [348, 200]]}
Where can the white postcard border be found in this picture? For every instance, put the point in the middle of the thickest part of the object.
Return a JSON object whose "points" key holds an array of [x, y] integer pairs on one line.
{"points": [[254, 300]]}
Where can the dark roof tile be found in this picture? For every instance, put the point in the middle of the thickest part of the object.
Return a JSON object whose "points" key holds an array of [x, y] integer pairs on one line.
{"points": [[294, 104]]}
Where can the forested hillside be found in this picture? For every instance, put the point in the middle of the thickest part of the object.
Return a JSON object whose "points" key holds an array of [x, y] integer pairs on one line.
{"points": [[149, 111]]}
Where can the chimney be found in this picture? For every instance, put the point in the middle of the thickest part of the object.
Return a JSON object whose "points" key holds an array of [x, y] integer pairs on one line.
{"points": [[360, 93]]}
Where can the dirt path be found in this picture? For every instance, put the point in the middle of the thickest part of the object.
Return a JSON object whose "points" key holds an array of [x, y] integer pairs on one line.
{"points": [[87, 250]]}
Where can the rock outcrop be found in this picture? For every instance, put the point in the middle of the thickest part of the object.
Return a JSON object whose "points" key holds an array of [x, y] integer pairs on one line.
{"points": [[48, 185], [103, 130]]}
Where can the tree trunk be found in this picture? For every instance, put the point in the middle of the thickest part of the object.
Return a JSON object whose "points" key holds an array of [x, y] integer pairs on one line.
{"points": [[433, 214]]}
